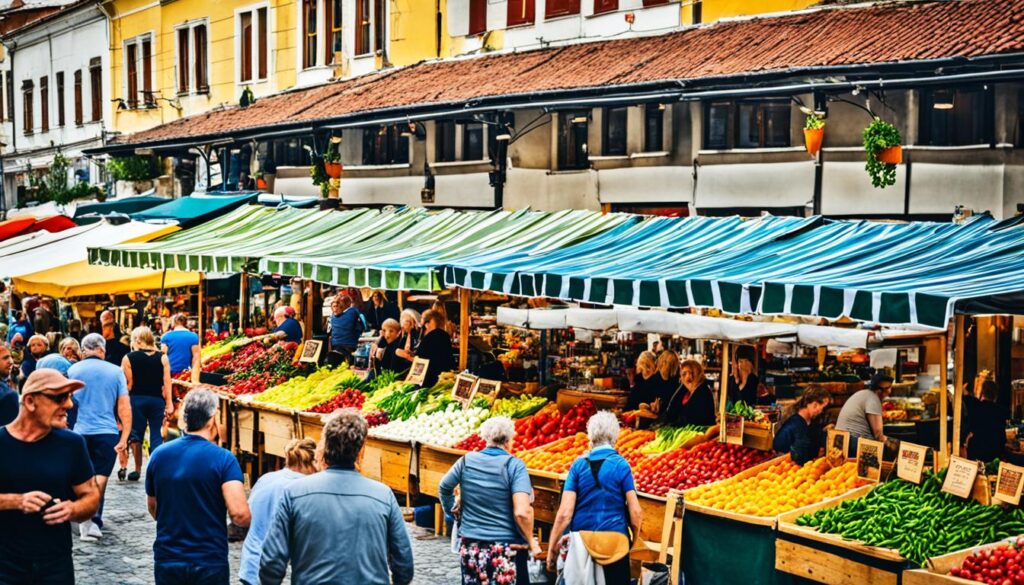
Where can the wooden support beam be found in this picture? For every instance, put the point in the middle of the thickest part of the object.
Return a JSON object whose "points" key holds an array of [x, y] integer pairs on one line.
{"points": [[958, 380], [723, 390], [464, 300], [243, 300], [201, 322], [943, 403]]}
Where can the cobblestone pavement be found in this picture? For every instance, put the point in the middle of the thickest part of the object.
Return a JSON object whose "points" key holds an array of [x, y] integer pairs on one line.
{"points": [[124, 556]]}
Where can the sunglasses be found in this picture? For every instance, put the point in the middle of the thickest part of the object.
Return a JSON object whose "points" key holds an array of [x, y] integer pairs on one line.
{"points": [[57, 398]]}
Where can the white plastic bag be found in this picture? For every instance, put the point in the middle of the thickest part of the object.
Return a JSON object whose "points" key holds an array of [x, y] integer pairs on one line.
{"points": [[456, 541]]}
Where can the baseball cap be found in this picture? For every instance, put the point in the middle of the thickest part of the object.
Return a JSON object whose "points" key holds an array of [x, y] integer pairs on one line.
{"points": [[47, 379], [289, 311]]}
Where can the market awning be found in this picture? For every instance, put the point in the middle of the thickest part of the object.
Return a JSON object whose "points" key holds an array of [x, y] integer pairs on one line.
{"points": [[93, 212], [195, 209], [80, 279], [52, 250]]}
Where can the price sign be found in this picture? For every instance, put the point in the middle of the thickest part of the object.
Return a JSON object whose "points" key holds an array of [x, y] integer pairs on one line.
{"points": [[960, 477], [869, 459], [463, 388], [910, 462], [734, 429], [311, 351], [836, 447], [487, 389], [418, 371], [1009, 483]]}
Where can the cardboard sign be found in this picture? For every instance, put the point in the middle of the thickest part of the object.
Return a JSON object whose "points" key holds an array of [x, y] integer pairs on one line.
{"points": [[869, 459], [418, 371], [910, 462], [1009, 484], [487, 389], [464, 387], [960, 477], [836, 447], [311, 351], [734, 429]]}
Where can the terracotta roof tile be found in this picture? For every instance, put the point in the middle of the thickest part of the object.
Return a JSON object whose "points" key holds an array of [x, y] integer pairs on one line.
{"points": [[873, 34]]}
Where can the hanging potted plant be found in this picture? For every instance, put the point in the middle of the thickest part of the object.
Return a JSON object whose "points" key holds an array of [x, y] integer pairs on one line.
{"points": [[814, 133], [883, 144], [332, 158]]}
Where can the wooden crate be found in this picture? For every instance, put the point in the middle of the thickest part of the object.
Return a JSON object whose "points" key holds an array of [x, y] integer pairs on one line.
{"points": [[757, 436], [938, 568], [828, 558], [434, 463], [246, 432], [545, 505], [278, 427], [390, 463], [311, 426], [653, 508]]}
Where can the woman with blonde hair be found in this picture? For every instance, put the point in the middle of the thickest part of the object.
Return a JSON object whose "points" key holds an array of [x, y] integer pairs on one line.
{"points": [[148, 373], [300, 461], [646, 389], [692, 402], [37, 347]]}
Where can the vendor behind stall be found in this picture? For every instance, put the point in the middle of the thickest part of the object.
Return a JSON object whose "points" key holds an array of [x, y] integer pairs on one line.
{"points": [[692, 402], [986, 423], [287, 327], [385, 351], [435, 346], [800, 435], [380, 310], [667, 379], [861, 416], [743, 382], [346, 324], [645, 387]]}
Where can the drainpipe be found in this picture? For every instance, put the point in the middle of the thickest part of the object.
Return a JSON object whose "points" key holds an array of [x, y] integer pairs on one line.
{"points": [[499, 160]]}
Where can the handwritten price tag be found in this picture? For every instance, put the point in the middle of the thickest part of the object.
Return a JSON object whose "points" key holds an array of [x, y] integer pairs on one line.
{"points": [[1009, 483], [960, 477], [910, 462]]}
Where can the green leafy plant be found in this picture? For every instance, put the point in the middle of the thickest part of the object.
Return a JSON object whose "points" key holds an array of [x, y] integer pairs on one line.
{"points": [[131, 168], [878, 136], [814, 122], [331, 154]]}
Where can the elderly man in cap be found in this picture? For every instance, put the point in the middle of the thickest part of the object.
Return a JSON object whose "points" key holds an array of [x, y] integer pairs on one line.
{"points": [[46, 481], [101, 404], [288, 328]]}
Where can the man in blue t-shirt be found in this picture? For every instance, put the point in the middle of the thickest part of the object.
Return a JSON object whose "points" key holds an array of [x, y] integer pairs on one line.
{"points": [[8, 397], [101, 404], [191, 483], [288, 328], [346, 324], [181, 346], [46, 482]]}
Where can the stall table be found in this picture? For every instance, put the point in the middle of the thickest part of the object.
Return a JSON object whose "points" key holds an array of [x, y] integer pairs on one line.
{"points": [[311, 425], [434, 463], [392, 463], [278, 426], [547, 493]]}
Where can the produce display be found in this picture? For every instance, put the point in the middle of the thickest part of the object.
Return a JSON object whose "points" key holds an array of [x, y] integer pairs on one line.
{"points": [[558, 456], [669, 438], [688, 468], [348, 398], [518, 406], [549, 425], [375, 419], [746, 411], [444, 428], [920, 521], [303, 392], [257, 367], [473, 442], [1002, 564], [781, 487], [374, 398]]}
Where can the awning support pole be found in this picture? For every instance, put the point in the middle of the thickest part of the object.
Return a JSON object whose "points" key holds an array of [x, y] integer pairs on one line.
{"points": [[958, 380], [943, 403], [723, 391], [201, 323], [463, 328], [243, 300]]}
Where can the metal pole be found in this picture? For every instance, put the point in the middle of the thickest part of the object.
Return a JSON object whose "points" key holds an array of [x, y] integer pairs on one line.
{"points": [[943, 404]]}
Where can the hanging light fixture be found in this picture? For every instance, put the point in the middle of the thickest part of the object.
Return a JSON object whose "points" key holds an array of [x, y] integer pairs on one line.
{"points": [[942, 99]]}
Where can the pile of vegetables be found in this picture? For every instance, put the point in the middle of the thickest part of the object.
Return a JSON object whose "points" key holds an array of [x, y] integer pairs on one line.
{"points": [[668, 438], [375, 397], [920, 521], [257, 367], [444, 428], [348, 398], [1002, 564], [222, 347], [303, 392], [688, 468], [558, 456], [517, 406], [746, 411], [781, 487], [549, 425]]}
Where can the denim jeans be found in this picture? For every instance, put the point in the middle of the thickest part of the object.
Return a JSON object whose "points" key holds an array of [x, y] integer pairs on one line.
{"points": [[58, 570], [188, 574], [147, 410]]}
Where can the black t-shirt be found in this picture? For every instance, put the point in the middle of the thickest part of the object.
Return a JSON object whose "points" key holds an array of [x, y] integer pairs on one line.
{"points": [[987, 422], [645, 391], [689, 408], [436, 346], [391, 361], [147, 373], [8, 404], [748, 393], [54, 465]]}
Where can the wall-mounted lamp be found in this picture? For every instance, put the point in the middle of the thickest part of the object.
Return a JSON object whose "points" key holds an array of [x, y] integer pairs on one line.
{"points": [[942, 99]]}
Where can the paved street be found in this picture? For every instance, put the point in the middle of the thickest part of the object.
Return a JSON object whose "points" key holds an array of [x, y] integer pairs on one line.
{"points": [[125, 556]]}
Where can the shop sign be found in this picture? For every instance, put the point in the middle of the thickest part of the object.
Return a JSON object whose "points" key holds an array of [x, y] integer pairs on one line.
{"points": [[1009, 483], [869, 459], [910, 462], [836, 447], [734, 429], [418, 372], [960, 477]]}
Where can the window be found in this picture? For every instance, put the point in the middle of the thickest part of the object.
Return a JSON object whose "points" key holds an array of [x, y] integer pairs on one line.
{"points": [[963, 117], [654, 127], [378, 26], [333, 25], [602, 6], [191, 59], [477, 16], [561, 8], [385, 145], [138, 66], [613, 136], [698, 11], [746, 124], [96, 88], [572, 140], [44, 103], [60, 98], [444, 142], [252, 28], [520, 12], [79, 110], [27, 118], [369, 26], [309, 33], [289, 153], [473, 141]]}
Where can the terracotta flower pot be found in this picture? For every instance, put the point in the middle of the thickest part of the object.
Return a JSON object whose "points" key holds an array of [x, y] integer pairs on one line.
{"points": [[890, 156], [813, 138], [333, 169]]}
